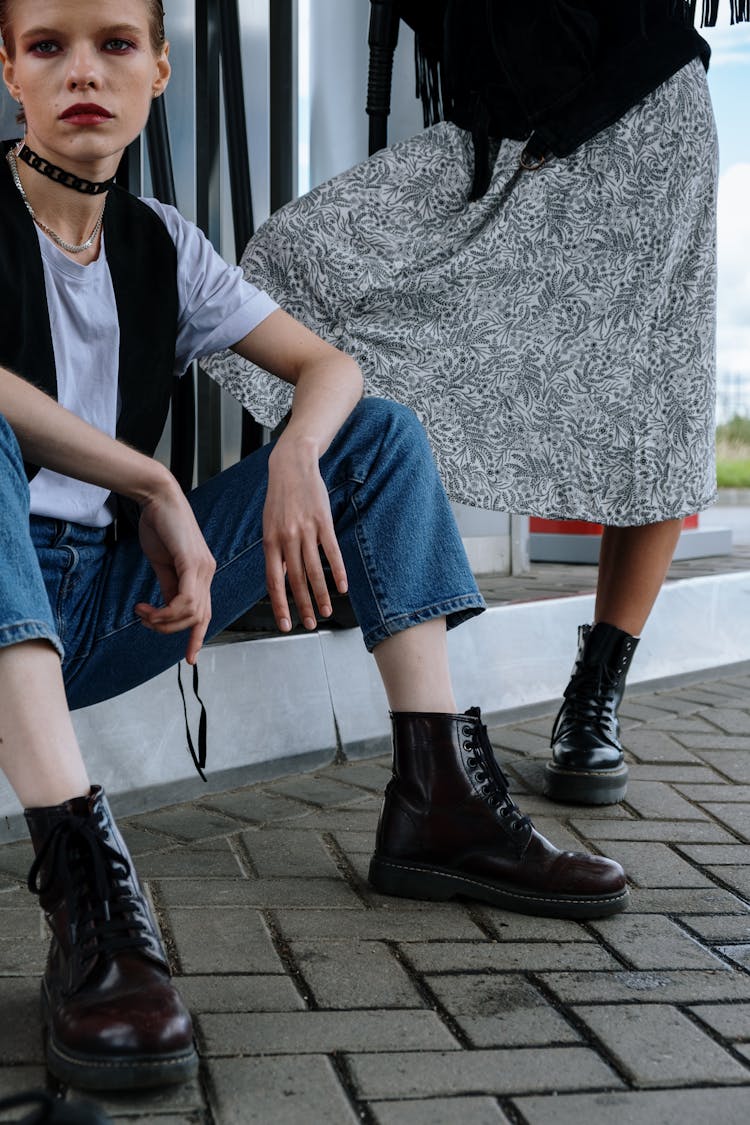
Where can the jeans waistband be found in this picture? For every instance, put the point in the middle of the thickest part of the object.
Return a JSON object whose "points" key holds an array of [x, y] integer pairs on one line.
{"points": [[47, 531]]}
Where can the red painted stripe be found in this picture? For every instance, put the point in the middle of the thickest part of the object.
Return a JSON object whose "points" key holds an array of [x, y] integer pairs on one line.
{"points": [[563, 527], [541, 526]]}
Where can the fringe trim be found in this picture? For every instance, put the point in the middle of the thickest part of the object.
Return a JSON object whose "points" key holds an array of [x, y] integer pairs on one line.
{"points": [[739, 11], [430, 82], [431, 87]]}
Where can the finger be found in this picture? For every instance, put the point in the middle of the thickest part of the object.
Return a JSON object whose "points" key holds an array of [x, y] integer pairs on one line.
{"points": [[332, 552], [175, 625], [196, 639], [182, 613], [276, 587], [316, 579], [297, 575], [148, 614]]}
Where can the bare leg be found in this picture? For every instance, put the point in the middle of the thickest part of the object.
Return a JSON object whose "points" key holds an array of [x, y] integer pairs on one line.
{"points": [[414, 667], [633, 563], [39, 751]]}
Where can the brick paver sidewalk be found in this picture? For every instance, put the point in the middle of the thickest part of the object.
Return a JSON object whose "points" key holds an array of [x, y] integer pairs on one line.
{"points": [[318, 1001]]}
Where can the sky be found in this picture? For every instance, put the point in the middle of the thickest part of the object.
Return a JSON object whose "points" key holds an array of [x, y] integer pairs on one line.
{"points": [[729, 82]]}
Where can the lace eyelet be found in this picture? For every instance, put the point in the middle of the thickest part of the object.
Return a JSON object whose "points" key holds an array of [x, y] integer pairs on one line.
{"points": [[467, 730], [468, 745]]}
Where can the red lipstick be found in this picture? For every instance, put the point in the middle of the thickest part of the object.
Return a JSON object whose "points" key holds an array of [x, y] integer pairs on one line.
{"points": [[85, 113]]}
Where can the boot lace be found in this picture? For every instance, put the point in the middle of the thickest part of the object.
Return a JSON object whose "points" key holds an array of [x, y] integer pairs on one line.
{"points": [[588, 700], [104, 914], [494, 783]]}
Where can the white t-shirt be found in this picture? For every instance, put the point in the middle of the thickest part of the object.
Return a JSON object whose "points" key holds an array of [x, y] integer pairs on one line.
{"points": [[216, 308]]}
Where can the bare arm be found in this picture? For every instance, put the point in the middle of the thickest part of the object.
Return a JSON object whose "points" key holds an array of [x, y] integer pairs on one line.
{"points": [[328, 384], [51, 436], [297, 514]]}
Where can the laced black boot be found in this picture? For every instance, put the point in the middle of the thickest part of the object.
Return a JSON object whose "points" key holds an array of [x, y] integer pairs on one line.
{"points": [[114, 1019], [449, 828], [588, 766]]}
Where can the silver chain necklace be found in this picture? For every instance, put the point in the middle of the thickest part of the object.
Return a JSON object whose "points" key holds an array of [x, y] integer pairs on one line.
{"points": [[71, 247]]}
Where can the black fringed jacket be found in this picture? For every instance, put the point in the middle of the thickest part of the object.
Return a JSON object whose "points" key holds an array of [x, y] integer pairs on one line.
{"points": [[553, 71]]}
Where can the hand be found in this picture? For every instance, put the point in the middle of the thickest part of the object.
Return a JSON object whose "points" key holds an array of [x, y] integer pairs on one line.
{"points": [[174, 545], [297, 523]]}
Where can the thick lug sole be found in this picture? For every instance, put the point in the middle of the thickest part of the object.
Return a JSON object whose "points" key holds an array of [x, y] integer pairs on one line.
{"points": [[126, 1072], [116, 1072], [586, 787], [415, 880]]}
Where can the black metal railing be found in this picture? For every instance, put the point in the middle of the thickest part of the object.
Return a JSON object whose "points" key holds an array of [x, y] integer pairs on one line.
{"points": [[382, 40], [219, 69]]}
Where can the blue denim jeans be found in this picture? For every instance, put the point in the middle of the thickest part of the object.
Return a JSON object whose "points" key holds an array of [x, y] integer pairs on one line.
{"points": [[403, 555]]}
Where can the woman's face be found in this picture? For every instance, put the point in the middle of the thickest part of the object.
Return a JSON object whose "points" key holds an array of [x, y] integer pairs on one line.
{"points": [[86, 73]]}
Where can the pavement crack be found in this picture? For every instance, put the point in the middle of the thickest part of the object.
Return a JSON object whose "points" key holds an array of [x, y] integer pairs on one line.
{"points": [[340, 1065], [241, 853], [289, 961], [346, 869], [711, 1033], [587, 1036], [153, 890], [430, 1000]]}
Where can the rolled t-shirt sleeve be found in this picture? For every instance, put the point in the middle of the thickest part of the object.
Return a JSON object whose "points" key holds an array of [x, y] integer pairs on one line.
{"points": [[217, 306]]}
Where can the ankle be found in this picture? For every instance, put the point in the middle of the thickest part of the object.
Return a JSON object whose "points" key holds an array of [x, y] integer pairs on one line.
{"points": [[57, 798]]}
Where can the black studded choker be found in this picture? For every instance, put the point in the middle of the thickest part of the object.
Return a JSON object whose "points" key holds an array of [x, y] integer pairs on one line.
{"points": [[59, 175]]}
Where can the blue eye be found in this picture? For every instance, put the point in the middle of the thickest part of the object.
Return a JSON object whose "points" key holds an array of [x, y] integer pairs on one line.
{"points": [[119, 46], [44, 47]]}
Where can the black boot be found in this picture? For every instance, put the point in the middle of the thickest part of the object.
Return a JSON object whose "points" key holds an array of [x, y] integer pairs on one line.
{"points": [[588, 766], [449, 828], [114, 1020]]}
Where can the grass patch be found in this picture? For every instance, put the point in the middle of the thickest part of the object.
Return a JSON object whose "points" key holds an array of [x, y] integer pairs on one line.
{"points": [[733, 453], [733, 474]]}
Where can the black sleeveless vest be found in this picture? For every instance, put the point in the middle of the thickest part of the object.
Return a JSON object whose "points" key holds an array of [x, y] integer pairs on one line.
{"points": [[143, 265]]}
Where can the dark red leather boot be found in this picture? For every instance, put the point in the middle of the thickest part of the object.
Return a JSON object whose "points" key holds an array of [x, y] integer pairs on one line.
{"points": [[114, 1019], [450, 828], [588, 765]]}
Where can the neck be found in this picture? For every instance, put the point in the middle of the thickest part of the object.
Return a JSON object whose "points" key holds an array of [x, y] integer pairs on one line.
{"points": [[71, 215]]}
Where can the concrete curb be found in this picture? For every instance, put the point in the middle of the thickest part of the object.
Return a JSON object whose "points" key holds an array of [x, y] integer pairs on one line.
{"points": [[281, 704]]}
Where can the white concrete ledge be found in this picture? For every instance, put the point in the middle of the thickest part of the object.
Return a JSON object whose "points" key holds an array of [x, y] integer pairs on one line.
{"points": [[276, 705]]}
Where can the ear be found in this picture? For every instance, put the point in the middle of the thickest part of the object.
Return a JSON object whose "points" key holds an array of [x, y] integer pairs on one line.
{"points": [[163, 71], [9, 74]]}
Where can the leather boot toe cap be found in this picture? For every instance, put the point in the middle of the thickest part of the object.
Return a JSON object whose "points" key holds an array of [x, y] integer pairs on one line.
{"points": [[586, 751], [134, 1010], [579, 873]]}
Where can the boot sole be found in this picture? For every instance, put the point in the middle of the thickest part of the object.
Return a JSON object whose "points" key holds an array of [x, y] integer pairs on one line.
{"points": [[116, 1072], [415, 880], [586, 787]]}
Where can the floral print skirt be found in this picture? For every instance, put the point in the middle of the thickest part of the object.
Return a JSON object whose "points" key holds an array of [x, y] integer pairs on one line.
{"points": [[556, 337]]}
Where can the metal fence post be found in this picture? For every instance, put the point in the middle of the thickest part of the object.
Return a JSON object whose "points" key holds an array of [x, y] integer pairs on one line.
{"points": [[207, 150]]}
